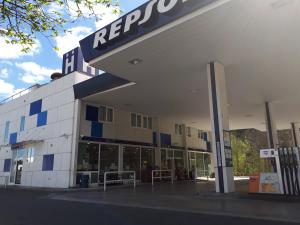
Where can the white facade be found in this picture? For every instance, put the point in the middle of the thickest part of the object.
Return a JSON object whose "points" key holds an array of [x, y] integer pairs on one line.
{"points": [[63, 128], [56, 137]]}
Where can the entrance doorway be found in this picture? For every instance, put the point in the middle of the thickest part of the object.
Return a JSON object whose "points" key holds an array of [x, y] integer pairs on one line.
{"points": [[17, 166], [200, 164]]}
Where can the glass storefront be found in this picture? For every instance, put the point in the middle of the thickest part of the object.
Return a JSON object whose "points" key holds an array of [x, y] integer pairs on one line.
{"points": [[199, 164], [95, 159]]}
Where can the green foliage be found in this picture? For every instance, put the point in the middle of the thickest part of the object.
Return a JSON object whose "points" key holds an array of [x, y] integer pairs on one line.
{"points": [[21, 20], [246, 159]]}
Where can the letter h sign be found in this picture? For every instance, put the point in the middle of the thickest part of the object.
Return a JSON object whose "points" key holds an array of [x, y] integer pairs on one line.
{"points": [[73, 61]]}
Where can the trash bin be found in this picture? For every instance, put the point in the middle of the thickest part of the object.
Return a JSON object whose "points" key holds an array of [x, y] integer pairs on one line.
{"points": [[84, 181]]}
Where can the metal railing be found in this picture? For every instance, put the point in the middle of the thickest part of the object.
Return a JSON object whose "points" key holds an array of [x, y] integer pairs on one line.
{"points": [[117, 177], [161, 175], [19, 94], [4, 181]]}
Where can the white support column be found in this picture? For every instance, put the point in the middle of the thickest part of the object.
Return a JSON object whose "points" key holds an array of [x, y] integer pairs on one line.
{"points": [[75, 140], [220, 126], [271, 126]]}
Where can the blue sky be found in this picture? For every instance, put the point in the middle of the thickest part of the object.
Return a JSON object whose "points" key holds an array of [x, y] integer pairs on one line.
{"points": [[19, 70]]}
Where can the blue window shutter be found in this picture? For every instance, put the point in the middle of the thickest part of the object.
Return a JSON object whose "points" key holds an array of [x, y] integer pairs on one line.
{"points": [[91, 113], [48, 162], [22, 123], [97, 129], [13, 138], [7, 165], [42, 119], [35, 107]]}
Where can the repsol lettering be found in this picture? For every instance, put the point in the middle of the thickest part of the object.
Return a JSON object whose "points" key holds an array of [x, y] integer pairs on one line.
{"points": [[129, 23]]}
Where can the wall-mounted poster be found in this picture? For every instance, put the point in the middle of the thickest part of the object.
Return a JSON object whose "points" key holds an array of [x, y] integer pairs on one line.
{"points": [[227, 148]]}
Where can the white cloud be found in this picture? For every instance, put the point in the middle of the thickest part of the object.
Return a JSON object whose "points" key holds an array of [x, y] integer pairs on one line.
{"points": [[6, 62], [71, 40], [4, 73], [107, 17], [8, 89], [14, 51], [34, 73]]}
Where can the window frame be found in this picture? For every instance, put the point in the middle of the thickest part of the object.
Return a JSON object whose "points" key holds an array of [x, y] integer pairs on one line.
{"points": [[188, 131], [106, 108], [148, 119], [22, 123]]}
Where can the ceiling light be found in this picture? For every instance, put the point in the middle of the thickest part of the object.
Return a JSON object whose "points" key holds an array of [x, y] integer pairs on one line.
{"points": [[194, 91], [135, 61]]}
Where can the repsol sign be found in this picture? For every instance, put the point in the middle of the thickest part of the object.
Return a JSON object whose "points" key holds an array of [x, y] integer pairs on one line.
{"points": [[146, 18]]}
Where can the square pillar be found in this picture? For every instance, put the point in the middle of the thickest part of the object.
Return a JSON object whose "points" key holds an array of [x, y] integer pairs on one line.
{"points": [[295, 135], [271, 126], [220, 128]]}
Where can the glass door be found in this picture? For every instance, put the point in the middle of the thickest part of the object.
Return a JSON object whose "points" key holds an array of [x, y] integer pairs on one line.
{"points": [[109, 159], [132, 160], [87, 161], [147, 163], [19, 168]]}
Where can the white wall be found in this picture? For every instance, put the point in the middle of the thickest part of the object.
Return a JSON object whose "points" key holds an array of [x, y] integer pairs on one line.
{"points": [[121, 129], [56, 137]]}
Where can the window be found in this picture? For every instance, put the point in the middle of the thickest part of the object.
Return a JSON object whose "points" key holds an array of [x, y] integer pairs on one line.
{"points": [[102, 114], [178, 129], [133, 119], [141, 121], [188, 131], [145, 122], [42, 119], [35, 107], [7, 165], [22, 123], [110, 115], [150, 123], [48, 162], [30, 155], [106, 114], [6, 132], [200, 134]]}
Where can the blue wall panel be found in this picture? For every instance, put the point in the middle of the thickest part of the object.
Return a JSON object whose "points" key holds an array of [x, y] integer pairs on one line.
{"points": [[42, 119], [48, 162], [91, 113], [165, 139], [7, 165], [97, 129], [13, 138], [154, 138], [35, 107]]}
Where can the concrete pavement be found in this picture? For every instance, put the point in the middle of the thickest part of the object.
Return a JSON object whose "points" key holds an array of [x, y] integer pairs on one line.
{"points": [[191, 198]]}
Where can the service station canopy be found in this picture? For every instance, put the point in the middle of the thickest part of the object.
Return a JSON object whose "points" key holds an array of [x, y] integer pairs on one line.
{"points": [[164, 47]]}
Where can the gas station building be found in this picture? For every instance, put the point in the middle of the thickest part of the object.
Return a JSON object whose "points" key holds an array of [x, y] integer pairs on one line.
{"points": [[179, 75]]}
